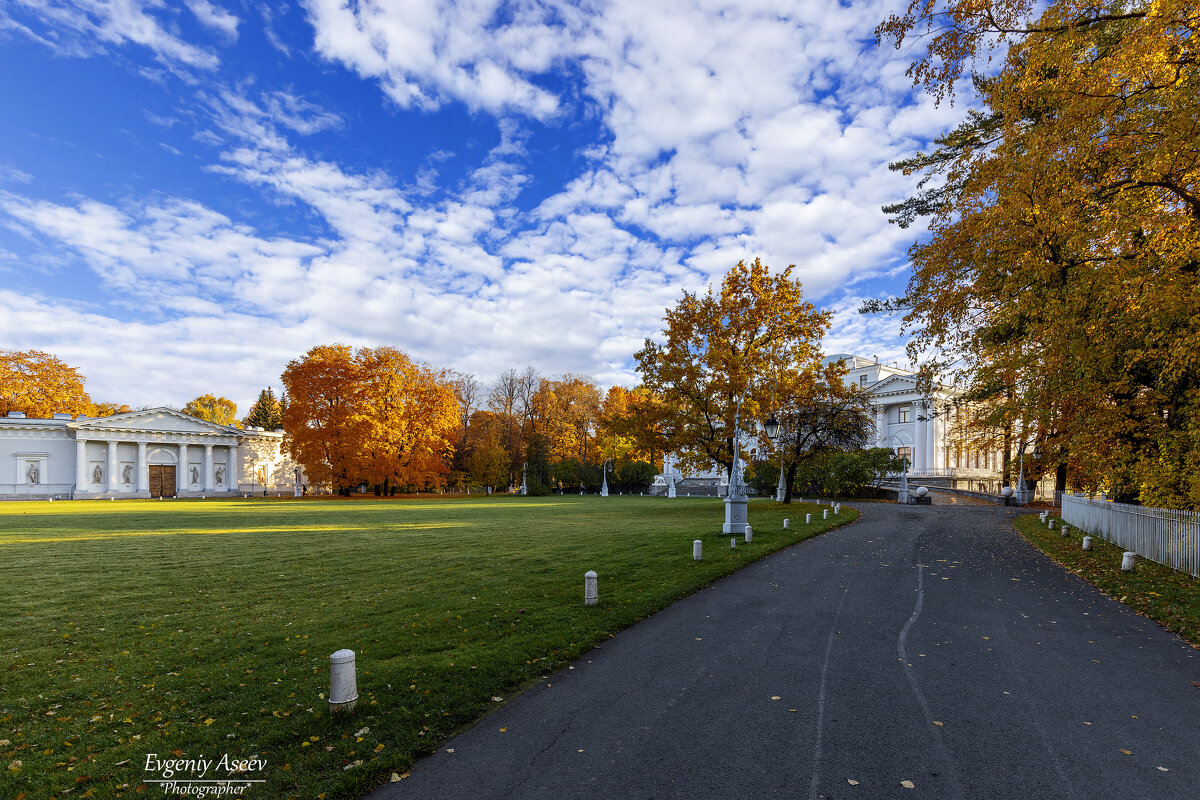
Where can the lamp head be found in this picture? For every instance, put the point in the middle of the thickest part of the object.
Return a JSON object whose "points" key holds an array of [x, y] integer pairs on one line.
{"points": [[772, 427]]}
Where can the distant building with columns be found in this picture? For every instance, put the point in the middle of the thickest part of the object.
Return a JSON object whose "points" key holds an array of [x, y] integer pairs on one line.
{"points": [[157, 452], [921, 426]]}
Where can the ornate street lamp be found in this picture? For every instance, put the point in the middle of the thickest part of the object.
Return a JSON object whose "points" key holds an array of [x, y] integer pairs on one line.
{"points": [[604, 477], [736, 501]]}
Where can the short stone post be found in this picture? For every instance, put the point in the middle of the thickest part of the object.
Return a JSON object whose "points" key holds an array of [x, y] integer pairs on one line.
{"points": [[825, 513], [1128, 560], [732, 543], [343, 686], [697, 550], [1066, 529], [808, 519], [591, 594], [749, 534], [787, 524], [1050, 523], [1087, 543]]}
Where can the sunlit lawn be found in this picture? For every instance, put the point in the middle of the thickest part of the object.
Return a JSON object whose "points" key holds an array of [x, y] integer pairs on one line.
{"points": [[204, 628]]}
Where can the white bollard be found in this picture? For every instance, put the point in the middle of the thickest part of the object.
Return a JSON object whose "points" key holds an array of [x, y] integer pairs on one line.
{"points": [[749, 534], [1087, 543], [343, 686], [1128, 560], [825, 512], [591, 594], [1050, 524], [787, 524], [1066, 529], [808, 519], [697, 550], [732, 543]]}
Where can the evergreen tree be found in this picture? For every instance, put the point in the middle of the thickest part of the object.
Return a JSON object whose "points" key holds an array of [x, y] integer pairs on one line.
{"points": [[266, 413]]}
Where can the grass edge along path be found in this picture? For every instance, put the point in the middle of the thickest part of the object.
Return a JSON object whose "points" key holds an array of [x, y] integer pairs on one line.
{"points": [[1167, 596], [188, 629]]}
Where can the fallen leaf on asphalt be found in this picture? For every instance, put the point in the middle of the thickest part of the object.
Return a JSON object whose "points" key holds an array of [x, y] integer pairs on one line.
{"points": [[1196, 684], [1126, 752], [1087, 723], [851, 781], [502, 730], [987, 637], [939, 724], [776, 697], [1162, 769], [449, 749], [792, 710], [395, 778], [908, 784]]}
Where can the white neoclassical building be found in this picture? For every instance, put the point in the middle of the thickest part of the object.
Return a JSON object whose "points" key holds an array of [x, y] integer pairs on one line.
{"points": [[922, 427], [157, 452]]}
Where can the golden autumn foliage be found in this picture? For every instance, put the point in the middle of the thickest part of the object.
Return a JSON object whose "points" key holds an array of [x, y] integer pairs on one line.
{"points": [[756, 336], [370, 416], [1062, 272], [40, 385], [210, 408]]}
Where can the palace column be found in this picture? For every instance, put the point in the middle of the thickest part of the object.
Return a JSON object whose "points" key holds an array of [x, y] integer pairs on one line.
{"points": [[112, 477], [209, 481], [881, 424], [81, 465], [931, 436], [918, 444], [183, 478], [233, 468], [143, 470]]}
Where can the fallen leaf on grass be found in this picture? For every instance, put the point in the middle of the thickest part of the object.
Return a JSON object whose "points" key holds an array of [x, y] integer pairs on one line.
{"points": [[497, 699], [908, 784], [395, 778]]}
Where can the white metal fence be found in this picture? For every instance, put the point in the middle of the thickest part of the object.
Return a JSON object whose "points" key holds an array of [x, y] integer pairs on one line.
{"points": [[1159, 534]]}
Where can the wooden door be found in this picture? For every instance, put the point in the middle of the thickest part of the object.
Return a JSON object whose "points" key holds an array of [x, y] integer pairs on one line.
{"points": [[162, 481]]}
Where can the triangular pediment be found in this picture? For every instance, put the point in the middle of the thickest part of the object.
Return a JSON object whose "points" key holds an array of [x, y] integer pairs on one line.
{"points": [[164, 420], [895, 383]]}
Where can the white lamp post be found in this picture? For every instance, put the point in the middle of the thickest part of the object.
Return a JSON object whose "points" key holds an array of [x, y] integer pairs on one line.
{"points": [[524, 486], [604, 477]]}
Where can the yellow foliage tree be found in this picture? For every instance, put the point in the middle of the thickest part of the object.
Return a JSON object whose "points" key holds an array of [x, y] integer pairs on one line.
{"points": [[756, 338], [1064, 262], [40, 384], [220, 410]]}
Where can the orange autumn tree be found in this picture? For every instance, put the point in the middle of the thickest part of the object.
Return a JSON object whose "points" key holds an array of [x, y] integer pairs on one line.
{"points": [[40, 384], [371, 416]]}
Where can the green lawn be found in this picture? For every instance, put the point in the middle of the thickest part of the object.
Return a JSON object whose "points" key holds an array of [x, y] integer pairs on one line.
{"points": [[1169, 597], [190, 629]]}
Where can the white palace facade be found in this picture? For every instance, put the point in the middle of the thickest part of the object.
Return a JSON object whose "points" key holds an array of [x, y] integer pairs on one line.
{"points": [[157, 452]]}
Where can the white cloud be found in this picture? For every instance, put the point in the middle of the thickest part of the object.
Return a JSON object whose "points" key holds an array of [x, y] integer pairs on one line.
{"points": [[215, 17], [82, 27]]}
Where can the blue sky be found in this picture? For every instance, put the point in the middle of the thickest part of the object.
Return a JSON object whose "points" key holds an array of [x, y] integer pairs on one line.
{"points": [[194, 192]]}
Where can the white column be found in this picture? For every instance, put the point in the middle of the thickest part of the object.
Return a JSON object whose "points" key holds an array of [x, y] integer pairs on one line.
{"points": [[233, 468], [183, 478], [881, 424], [931, 434], [143, 470], [81, 465], [112, 477], [209, 480]]}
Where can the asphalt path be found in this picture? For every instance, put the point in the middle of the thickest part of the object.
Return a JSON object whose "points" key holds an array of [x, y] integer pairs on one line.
{"points": [[922, 645]]}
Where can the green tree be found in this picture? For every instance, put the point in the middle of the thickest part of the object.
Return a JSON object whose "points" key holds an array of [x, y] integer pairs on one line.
{"points": [[266, 413]]}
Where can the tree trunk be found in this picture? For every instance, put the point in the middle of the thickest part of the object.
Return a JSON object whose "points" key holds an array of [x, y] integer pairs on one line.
{"points": [[791, 477]]}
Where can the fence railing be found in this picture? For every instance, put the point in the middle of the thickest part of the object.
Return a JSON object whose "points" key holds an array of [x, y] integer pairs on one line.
{"points": [[1160, 534]]}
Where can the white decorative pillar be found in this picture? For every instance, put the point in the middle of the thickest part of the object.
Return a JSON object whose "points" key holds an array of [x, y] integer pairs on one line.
{"points": [[233, 469], [111, 478], [209, 481], [183, 477], [918, 443], [143, 470], [881, 424], [81, 465]]}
